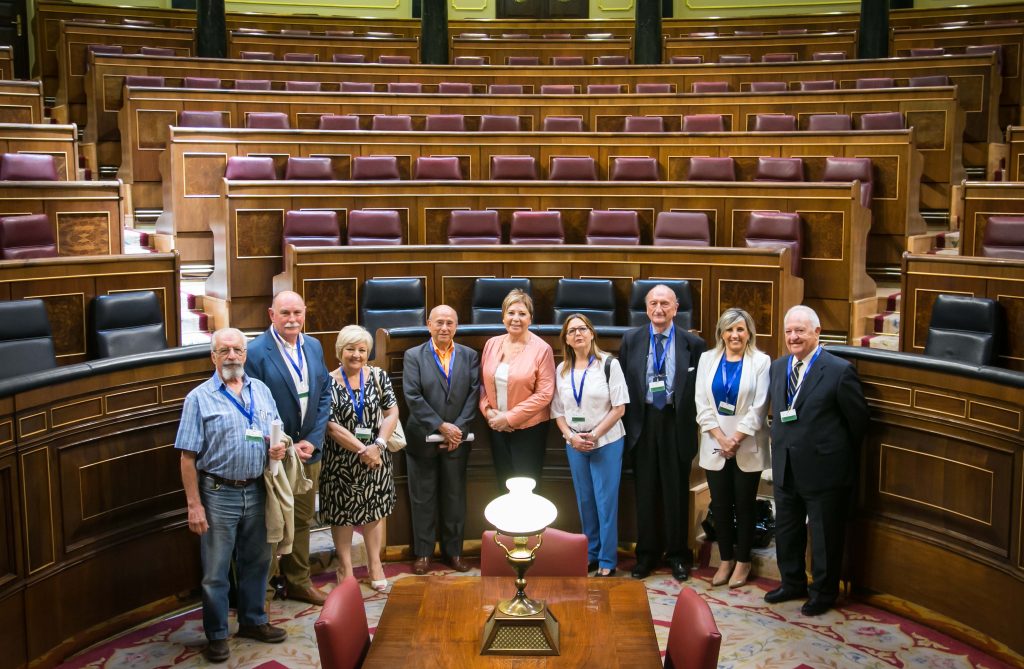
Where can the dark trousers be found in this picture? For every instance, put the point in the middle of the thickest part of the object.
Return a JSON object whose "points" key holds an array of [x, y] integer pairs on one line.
{"points": [[662, 480], [733, 493], [825, 514], [437, 488], [519, 453]]}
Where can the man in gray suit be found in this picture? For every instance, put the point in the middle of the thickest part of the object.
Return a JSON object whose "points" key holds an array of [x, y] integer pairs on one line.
{"points": [[441, 381]]}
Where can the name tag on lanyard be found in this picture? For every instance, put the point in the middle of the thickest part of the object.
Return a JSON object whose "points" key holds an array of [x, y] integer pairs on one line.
{"points": [[254, 437]]}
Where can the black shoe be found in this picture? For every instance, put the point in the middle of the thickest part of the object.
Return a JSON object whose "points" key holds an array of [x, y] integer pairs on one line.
{"points": [[781, 594], [217, 650], [642, 569], [680, 571], [592, 566], [266, 633], [815, 607]]}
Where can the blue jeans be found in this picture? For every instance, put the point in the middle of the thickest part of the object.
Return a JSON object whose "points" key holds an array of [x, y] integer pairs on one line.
{"points": [[595, 475], [237, 531]]}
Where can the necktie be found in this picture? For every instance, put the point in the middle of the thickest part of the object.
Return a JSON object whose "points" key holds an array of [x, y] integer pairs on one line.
{"points": [[794, 376], [658, 399]]}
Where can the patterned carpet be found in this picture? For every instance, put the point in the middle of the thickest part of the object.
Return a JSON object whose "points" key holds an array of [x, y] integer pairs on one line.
{"points": [[755, 635]]}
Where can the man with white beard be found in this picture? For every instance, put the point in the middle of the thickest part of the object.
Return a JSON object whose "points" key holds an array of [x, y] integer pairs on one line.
{"points": [[224, 442]]}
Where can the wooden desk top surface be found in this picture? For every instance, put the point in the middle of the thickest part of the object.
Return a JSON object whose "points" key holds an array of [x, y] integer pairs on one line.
{"points": [[439, 622]]}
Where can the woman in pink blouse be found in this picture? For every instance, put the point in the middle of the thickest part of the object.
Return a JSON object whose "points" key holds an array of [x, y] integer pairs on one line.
{"points": [[517, 385]]}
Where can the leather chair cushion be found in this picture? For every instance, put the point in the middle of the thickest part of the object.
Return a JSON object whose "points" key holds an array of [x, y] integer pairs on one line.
{"points": [[537, 227], [438, 167], [638, 308], [455, 88], [405, 87], [127, 324], [302, 86], [252, 84], [27, 237], [488, 294], [375, 168], [309, 168], [267, 120], [703, 168], [202, 82], [201, 119], [497, 123], [1004, 237], [474, 227], [711, 87], [829, 122], [644, 124], [28, 167], [26, 343], [357, 86], [342, 634], [339, 122], [348, 58], [573, 168], [606, 227], [882, 121], [250, 168], [774, 123], [963, 329], [634, 168], [694, 641], [374, 226], [703, 123], [682, 228], [400, 123], [563, 124], [513, 168], [780, 169]]}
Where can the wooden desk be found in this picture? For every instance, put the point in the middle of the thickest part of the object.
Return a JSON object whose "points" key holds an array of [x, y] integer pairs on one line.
{"points": [[803, 47], [604, 623]]}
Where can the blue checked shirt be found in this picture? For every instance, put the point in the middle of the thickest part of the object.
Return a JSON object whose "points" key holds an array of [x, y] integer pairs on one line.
{"points": [[213, 427]]}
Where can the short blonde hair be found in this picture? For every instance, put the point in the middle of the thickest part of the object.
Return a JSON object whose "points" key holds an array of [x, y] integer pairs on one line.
{"points": [[352, 334], [730, 317], [517, 295]]}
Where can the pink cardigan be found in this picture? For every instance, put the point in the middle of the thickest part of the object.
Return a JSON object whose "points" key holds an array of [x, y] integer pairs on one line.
{"points": [[531, 381]]}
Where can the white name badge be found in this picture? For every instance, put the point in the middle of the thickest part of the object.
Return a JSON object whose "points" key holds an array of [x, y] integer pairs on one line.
{"points": [[657, 386], [726, 409], [788, 416], [577, 420], [363, 434], [254, 437]]}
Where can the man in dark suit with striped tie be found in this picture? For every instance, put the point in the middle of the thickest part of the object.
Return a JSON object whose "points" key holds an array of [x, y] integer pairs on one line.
{"points": [[819, 416]]}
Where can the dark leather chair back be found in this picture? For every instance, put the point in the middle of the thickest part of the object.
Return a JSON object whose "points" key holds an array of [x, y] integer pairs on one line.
{"points": [[929, 80], [1003, 238], [386, 59], [927, 51], [157, 51], [445, 122], [567, 60], [438, 167], [342, 634], [356, 86], [778, 58], [768, 87], [311, 228], [829, 122], [643, 124], [339, 122], [202, 82], [774, 123], [711, 87], [820, 85], [470, 60], [613, 227], [573, 168], [851, 169], [405, 87], [127, 323], [653, 87], [634, 168], [151, 81], [252, 84], [299, 57], [693, 637], [26, 343], [773, 229], [704, 123], [348, 58], [612, 60], [498, 123], [522, 60], [302, 86], [734, 58], [963, 329], [686, 60], [638, 307], [267, 120], [474, 227], [594, 298], [505, 89], [250, 168], [537, 227], [563, 124], [202, 119], [309, 169], [882, 121], [375, 168], [257, 55], [370, 227], [704, 168], [455, 88], [392, 303], [682, 228], [828, 55], [876, 82], [513, 168], [27, 237], [488, 294], [28, 167], [604, 89], [780, 169]]}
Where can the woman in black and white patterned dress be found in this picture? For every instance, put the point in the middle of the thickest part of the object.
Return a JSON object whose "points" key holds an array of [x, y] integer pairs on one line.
{"points": [[356, 484]]}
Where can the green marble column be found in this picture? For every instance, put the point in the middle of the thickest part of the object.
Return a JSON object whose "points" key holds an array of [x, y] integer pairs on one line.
{"points": [[647, 41], [873, 38], [434, 32], [211, 36]]}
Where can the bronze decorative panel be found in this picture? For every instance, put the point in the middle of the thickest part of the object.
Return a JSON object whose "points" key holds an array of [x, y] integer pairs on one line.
{"points": [[84, 233], [258, 233]]}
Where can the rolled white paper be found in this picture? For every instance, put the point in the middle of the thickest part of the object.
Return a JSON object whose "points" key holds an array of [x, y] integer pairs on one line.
{"points": [[276, 434], [437, 439]]}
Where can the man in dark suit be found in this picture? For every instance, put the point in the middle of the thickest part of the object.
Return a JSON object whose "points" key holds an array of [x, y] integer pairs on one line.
{"points": [[441, 383], [819, 416], [660, 362], [292, 366]]}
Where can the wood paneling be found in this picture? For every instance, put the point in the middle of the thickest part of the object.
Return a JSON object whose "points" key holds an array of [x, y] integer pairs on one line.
{"points": [[59, 141], [21, 102], [498, 51], [324, 47], [803, 47], [86, 216]]}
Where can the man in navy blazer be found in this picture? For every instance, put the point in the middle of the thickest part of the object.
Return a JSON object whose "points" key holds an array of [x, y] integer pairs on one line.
{"points": [[660, 363], [441, 384], [292, 366], [819, 416]]}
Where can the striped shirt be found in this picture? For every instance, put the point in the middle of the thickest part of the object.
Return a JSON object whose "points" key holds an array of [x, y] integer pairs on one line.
{"points": [[213, 427]]}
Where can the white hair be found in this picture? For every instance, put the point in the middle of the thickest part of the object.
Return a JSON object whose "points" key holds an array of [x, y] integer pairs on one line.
{"points": [[224, 331], [806, 312]]}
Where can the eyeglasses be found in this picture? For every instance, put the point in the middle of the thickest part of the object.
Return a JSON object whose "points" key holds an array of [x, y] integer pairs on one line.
{"points": [[577, 330], [231, 349]]}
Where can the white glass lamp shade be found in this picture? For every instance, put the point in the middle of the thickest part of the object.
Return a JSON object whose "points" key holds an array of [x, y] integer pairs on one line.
{"points": [[520, 512]]}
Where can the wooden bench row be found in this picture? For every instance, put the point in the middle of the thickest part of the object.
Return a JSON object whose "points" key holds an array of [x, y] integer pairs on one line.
{"points": [[975, 201], [21, 102], [247, 237], [194, 164], [59, 141]]}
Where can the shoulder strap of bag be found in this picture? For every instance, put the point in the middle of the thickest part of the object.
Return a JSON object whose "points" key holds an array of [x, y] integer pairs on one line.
{"points": [[608, 369]]}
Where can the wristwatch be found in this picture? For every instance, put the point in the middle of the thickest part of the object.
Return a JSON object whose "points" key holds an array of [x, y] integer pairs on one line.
{"points": [[380, 442]]}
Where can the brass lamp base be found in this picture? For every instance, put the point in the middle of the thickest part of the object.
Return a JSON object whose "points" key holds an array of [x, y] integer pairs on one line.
{"points": [[535, 634]]}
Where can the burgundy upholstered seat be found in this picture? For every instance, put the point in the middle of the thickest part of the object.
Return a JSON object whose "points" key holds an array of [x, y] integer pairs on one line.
{"points": [[151, 81], [339, 122], [654, 87], [734, 58], [704, 123], [611, 227], [522, 60], [1003, 238], [375, 168], [505, 89], [351, 58], [252, 84], [557, 89], [342, 635], [711, 87], [267, 120], [851, 169], [828, 55], [399, 122], [311, 228], [28, 236], [682, 228], [882, 121], [927, 51], [474, 227], [499, 123], [302, 86], [634, 168], [820, 85], [537, 227], [686, 60], [693, 637], [374, 227], [774, 123], [768, 87], [256, 55], [929, 80], [455, 88], [567, 60], [157, 51], [28, 167], [604, 89], [779, 169], [470, 60], [829, 122], [611, 60], [250, 168], [295, 57], [770, 229], [309, 169], [394, 60], [778, 58], [513, 168], [202, 82], [444, 123], [438, 167], [356, 87], [405, 87], [876, 82], [563, 124], [572, 168], [704, 168], [643, 124], [202, 119]]}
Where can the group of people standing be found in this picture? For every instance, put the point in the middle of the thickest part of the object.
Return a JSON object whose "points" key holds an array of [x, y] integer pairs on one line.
{"points": [[660, 403]]}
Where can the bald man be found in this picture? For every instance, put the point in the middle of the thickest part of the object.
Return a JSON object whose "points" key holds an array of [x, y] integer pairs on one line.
{"points": [[441, 382], [292, 366]]}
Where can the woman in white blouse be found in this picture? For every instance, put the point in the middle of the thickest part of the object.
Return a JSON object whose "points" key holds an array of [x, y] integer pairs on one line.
{"points": [[732, 400], [590, 398]]}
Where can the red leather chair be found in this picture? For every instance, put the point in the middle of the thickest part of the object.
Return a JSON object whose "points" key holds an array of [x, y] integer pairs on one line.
{"points": [[929, 80], [309, 169], [927, 51], [348, 58], [779, 169], [470, 60], [572, 168], [774, 123], [356, 87], [774, 229], [202, 82], [256, 55], [339, 122], [438, 167], [693, 638], [455, 88], [734, 58], [876, 82], [768, 87], [311, 228], [27, 237], [252, 84], [474, 227], [405, 87], [828, 55], [563, 124], [537, 227], [634, 168], [561, 554], [644, 124], [375, 168], [398, 123], [567, 60], [654, 87], [394, 60], [778, 58], [686, 60], [302, 86], [513, 168], [881, 121], [28, 167], [444, 123], [250, 168], [613, 227], [704, 123], [295, 57], [496, 123], [1003, 238], [711, 87], [143, 80], [611, 60], [850, 169], [342, 634], [821, 85], [682, 228], [157, 51], [829, 122], [505, 89], [604, 89], [557, 89], [267, 120], [522, 60], [704, 168], [374, 227]]}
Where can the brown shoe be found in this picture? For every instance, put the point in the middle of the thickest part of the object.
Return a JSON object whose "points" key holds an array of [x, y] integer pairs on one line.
{"points": [[456, 563], [217, 650], [309, 594], [421, 566], [266, 633]]}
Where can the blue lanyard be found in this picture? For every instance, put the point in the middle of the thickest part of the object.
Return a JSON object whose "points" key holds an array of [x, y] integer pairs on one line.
{"points": [[238, 405], [796, 391], [357, 404], [287, 356], [451, 367], [736, 373], [572, 380], [659, 365]]}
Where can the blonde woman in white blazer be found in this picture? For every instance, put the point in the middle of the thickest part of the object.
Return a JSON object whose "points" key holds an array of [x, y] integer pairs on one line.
{"points": [[732, 401]]}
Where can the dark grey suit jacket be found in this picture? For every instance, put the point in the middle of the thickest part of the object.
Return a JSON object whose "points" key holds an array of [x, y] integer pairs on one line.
{"points": [[823, 444], [424, 387]]}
